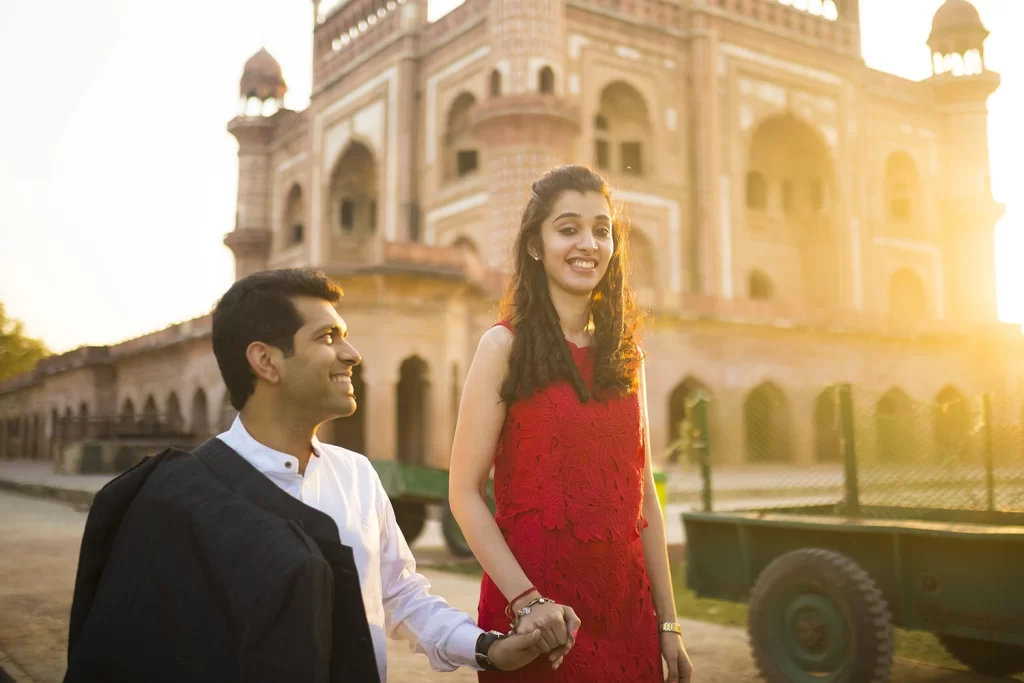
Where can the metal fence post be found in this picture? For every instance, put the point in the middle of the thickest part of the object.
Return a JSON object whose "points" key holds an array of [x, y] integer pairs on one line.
{"points": [[990, 479], [699, 411], [851, 487]]}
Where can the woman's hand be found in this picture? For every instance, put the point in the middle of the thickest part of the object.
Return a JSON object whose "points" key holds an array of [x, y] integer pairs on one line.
{"points": [[557, 624], [679, 668]]}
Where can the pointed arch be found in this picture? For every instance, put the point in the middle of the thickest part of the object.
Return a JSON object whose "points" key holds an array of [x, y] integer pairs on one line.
{"points": [[495, 83], [546, 81], [294, 216], [760, 287], [413, 407], [679, 424], [827, 432], [199, 425], [907, 297], [766, 424], [623, 132], [150, 414], [174, 419], [757, 191], [352, 207], [127, 416], [461, 156], [895, 431], [951, 424]]}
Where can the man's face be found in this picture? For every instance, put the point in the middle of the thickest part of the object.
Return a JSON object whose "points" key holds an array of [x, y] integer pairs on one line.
{"points": [[317, 377]]}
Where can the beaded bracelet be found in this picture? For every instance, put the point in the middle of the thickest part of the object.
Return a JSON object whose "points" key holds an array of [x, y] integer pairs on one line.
{"points": [[508, 609]]}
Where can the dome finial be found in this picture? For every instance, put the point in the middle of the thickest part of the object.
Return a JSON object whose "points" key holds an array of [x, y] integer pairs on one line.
{"points": [[262, 78]]}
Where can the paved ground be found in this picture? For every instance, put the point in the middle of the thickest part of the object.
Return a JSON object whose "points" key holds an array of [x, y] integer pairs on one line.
{"points": [[39, 542]]}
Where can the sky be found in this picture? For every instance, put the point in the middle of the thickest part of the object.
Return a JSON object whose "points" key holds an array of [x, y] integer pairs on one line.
{"points": [[118, 177]]}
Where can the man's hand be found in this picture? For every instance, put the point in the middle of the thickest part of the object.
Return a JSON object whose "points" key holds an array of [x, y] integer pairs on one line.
{"points": [[516, 651]]}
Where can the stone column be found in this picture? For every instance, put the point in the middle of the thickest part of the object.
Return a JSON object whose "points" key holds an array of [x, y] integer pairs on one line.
{"points": [[704, 246], [381, 416], [250, 240]]}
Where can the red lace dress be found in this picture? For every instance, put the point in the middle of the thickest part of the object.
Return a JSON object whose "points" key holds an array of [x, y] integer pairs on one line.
{"points": [[568, 485]]}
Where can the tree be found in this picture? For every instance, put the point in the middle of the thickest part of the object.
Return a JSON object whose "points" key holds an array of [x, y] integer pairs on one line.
{"points": [[18, 353]]}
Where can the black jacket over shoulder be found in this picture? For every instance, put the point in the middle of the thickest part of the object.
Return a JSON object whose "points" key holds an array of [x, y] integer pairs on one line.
{"points": [[196, 567]]}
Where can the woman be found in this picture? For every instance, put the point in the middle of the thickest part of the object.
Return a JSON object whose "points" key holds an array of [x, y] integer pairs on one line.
{"points": [[555, 401]]}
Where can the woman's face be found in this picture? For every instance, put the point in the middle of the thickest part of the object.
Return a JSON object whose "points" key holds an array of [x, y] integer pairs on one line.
{"points": [[577, 242]]}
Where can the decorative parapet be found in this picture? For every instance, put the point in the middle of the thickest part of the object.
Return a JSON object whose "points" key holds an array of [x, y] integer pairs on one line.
{"points": [[445, 29], [355, 29], [840, 33]]}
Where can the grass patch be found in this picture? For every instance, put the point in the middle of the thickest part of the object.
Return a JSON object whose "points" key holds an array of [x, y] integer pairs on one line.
{"points": [[912, 645]]}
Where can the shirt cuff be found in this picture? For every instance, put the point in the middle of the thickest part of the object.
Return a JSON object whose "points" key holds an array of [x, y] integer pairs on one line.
{"points": [[461, 646]]}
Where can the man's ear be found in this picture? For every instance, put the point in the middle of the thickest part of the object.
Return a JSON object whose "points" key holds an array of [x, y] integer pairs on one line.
{"points": [[264, 360]]}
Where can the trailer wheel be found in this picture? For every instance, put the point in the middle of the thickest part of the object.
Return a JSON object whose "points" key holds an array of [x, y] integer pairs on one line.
{"points": [[984, 656], [411, 518], [815, 616], [453, 536]]}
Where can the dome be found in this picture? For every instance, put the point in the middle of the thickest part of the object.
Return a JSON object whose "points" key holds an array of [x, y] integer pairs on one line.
{"points": [[262, 77], [956, 17]]}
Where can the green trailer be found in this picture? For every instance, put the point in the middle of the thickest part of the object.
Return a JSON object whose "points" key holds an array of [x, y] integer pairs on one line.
{"points": [[826, 582], [413, 488]]}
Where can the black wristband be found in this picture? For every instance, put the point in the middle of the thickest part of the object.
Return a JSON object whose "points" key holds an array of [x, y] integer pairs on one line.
{"points": [[483, 645]]}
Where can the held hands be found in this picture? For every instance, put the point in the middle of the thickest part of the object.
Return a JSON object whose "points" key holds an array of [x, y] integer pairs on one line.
{"points": [[516, 651], [557, 625], [679, 668]]}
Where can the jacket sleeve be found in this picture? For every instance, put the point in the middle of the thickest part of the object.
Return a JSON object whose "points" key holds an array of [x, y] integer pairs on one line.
{"points": [[108, 509]]}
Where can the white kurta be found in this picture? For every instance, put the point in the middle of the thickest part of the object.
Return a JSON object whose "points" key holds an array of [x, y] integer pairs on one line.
{"points": [[344, 485]]}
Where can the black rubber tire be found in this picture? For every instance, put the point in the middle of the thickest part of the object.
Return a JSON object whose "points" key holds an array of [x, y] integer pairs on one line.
{"points": [[984, 656], [453, 537], [411, 518], [865, 613]]}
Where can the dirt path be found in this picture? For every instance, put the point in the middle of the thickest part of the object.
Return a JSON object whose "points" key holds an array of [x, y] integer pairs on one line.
{"points": [[39, 542]]}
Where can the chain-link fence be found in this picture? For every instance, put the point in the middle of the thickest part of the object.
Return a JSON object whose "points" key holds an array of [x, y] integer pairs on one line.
{"points": [[850, 450]]}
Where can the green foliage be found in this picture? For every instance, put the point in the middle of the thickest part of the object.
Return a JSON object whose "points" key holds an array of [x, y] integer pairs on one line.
{"points": [[18, 353]]}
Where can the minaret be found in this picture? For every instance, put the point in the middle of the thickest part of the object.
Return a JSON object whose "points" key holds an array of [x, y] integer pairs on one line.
{"points": [[526, 125], [262, 90], [962, 85]]}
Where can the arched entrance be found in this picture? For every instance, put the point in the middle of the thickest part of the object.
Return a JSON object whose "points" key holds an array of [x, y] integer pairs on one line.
{"points": [[413, 394]]}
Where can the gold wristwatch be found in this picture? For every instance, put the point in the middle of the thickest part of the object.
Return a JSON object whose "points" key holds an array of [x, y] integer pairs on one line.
{"points": [[670, 627]]}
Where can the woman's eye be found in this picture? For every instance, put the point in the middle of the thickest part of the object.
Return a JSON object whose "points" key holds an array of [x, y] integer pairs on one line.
{"points": [[329, 338]]}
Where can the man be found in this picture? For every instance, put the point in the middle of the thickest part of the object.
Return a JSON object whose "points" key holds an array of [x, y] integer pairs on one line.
{"points": [[206, 566]]}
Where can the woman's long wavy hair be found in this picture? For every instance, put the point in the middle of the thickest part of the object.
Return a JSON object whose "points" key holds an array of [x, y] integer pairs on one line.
{"points": [[540, 354]]}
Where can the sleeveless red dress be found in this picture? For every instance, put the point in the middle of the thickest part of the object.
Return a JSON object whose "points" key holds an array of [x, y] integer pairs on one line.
{"points": [[568, 488]]}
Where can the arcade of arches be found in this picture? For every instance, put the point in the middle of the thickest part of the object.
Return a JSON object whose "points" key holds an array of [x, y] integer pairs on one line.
{"points": [[778, 427]]}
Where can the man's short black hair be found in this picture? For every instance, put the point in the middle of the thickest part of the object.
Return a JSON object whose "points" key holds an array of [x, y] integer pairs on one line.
{"points": [[259, 308]]}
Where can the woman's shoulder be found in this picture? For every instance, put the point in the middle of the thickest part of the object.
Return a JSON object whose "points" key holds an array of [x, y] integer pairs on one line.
{"points": [[500, 333], [494, 348]]}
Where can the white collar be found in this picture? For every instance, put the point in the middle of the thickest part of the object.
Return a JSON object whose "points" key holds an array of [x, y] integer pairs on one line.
{"points": [[262, 457]]}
